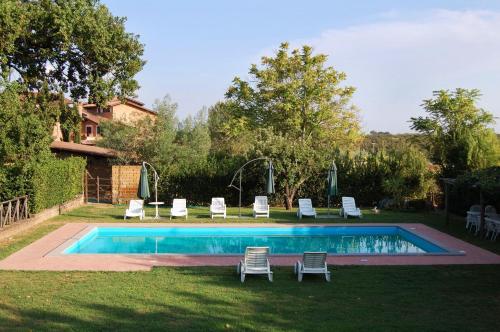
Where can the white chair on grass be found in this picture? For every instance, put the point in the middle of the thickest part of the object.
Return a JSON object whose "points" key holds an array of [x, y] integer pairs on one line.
{"points": [[349, 208], [135, 209], [492, 227], [218, 207], [256, 262], [312, 263], [260, 207], [306, 208], [473, 217], [179, 208]]}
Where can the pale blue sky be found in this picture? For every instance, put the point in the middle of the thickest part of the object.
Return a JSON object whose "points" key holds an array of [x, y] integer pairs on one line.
{"points": [[395, 52]]}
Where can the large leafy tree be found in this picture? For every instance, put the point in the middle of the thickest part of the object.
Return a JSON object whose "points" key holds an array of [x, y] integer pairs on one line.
{"points": [[459, 131], [298, 111], [74, 46]]}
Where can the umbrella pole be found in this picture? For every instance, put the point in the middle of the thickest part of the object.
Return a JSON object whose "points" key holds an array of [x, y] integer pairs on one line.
{"points": [[239, 208], [328, 205], [157, 216]]}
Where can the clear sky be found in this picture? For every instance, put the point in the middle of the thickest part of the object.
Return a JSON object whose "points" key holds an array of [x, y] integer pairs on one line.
{"points": [[394, 52]]}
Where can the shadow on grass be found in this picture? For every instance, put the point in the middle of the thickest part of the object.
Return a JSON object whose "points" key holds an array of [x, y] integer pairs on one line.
{"points": [[213, 299]]}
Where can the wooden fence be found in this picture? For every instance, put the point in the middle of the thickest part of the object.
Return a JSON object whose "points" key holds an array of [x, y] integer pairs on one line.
{"points": [[97, 189], [14, 210]]}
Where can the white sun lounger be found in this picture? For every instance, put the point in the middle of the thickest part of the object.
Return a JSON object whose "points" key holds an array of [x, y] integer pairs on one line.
{"points": [[256, 262], [179, 208], [306, 208], [218, 207], [349, 208], [135, 209], [312, 263]]}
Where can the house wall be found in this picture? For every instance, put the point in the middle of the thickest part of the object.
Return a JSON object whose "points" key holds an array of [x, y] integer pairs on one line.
{"points": [[129, 114], [86, 123], [125, 183]]}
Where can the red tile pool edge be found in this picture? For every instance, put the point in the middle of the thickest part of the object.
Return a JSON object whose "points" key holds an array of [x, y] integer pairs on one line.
{"points": [[44, 254]]}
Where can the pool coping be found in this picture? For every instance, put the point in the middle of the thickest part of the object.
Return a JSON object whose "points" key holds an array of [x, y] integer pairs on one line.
{"points": [[46, 253]]}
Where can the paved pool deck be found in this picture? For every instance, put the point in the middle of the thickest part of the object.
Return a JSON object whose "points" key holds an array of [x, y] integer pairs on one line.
{"points": [[46, 253]]}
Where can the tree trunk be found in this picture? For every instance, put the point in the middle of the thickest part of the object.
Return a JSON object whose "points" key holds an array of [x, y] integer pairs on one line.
{"points": [[289, 196]]}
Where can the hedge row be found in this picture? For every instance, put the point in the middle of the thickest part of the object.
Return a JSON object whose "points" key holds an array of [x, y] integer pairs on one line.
{"points": [[48, 182], [55, 181]]}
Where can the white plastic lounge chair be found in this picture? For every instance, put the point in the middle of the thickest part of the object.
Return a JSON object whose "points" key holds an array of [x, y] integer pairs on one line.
{"points": [[135, 209], [306, 208], [256, 262], [179, 208], [349, 208], [260, 207], [314, 263], [218, 207]]}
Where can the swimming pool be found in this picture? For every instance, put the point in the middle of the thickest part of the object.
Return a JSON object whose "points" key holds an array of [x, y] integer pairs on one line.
{"points": [[336, 240]]}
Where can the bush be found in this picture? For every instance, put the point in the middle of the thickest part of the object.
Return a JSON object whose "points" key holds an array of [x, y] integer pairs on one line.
{"points": [[49, 182], [465, 192], [55, 181], [400, 175]]}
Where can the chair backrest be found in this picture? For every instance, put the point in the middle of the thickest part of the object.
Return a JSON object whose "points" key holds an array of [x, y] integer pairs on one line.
{"points": [[179, 204], [256, 256], [260, 203], [348, 203], [314, 260], [136, 205], [218, 202], [490, 209], [305, 204], [475, 208]]}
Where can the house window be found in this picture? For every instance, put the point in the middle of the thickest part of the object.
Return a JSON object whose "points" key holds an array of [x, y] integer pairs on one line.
{"points": [[88, 130], [98, 130]]}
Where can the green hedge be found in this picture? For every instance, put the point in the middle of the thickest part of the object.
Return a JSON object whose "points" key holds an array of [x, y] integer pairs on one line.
{"points": [[55, 181]]}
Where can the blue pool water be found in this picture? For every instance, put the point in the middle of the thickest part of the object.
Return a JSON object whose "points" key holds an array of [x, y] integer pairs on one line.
{"points": [[226, 241]]}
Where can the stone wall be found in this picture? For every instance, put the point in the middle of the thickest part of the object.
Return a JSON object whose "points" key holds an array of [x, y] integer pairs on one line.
{"points": [[125, 183]]}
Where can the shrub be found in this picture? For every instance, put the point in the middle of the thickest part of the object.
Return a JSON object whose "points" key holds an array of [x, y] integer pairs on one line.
{"points": [[55, 181]]}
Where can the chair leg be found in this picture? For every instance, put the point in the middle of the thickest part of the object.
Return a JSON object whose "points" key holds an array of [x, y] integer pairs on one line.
{"points": [[270, 276], [327, 276], [299, 277], [242, 278]]}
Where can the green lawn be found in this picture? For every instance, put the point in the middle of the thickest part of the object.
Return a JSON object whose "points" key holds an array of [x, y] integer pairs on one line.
{"points": [[402, 298]]}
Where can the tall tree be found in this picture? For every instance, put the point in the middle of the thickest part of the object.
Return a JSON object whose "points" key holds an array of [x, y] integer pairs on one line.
{"points": [[301, 110], [459, 131], [75, 46]]}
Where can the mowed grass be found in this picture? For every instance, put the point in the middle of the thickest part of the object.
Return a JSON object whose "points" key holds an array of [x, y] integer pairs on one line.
{"points": [[369, 298], [452, 298]]}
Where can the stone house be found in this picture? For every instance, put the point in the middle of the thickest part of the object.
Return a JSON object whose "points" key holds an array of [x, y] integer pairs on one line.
{"points": [[129, 111]]}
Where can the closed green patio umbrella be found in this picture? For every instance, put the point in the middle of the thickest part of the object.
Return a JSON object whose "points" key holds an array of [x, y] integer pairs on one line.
{"points": [[143, 183], [332, 189], [270, 179]]}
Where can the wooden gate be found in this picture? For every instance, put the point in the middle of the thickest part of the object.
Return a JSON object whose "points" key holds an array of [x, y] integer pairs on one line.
{"points": [[97, 189]]}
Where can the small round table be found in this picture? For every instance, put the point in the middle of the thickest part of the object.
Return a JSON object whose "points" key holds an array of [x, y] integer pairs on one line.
{"points": [[156, 204]]}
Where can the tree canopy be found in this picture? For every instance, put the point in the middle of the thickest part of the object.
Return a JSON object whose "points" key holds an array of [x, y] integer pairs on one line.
{"points": [[296, 110], [75, 46], [460, 134]]}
